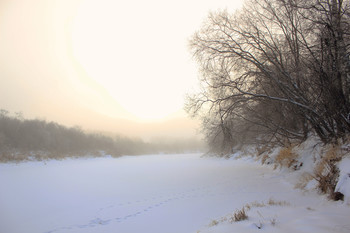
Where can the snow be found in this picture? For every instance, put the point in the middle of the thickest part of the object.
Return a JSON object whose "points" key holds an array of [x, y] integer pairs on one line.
{"points": [[343, 184], [158, 194]]}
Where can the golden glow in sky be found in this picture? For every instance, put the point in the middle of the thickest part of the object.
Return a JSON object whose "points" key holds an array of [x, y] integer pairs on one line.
{"points": [[136, 54], [71, 59], [137, 50]]}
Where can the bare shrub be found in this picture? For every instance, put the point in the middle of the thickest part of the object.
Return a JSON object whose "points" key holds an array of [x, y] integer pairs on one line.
{"points": [[274, 71]]}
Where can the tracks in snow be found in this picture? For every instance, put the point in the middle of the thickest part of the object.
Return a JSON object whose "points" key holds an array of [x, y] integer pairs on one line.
{"points": [[120, 212]]}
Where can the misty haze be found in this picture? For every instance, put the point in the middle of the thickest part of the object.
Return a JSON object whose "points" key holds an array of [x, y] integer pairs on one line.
{"points": [[158, 116]]}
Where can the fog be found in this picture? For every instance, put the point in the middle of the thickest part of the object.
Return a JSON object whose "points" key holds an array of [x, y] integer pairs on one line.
{"points": [[22, 139], [94, 138], [111, 66]]}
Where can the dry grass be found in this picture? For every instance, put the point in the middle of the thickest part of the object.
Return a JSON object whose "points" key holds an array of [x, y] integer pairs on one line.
{"points": [[263, 149], [270, 202], [326, 172], [239, 215], [264, 158], [305, 178], [262, 153], [273, 202], [286, 157], [213, 223], [254, 204]]}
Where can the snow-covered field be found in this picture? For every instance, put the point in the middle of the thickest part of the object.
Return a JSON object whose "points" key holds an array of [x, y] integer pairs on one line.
{"points": [[158, 194]]}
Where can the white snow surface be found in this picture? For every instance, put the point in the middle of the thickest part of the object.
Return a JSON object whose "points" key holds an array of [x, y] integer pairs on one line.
{"points": [[343, 184], [158, 194]]}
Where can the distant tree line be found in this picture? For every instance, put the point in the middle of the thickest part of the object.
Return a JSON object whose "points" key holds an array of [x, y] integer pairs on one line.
{"points": [[22, 139], [275, 71]]}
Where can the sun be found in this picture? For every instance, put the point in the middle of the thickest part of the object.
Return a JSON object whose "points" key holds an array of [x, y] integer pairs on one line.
{"points": [[123, 49]]}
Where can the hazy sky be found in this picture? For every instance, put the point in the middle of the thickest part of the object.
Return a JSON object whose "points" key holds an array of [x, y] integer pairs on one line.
{"points": [[94, 63]]}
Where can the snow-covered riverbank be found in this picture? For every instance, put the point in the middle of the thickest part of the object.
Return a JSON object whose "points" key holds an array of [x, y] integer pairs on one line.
{"points": [[158, 194]]}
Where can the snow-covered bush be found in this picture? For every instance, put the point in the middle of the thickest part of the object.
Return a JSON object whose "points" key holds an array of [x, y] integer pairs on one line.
{"points": [[319, 166]]}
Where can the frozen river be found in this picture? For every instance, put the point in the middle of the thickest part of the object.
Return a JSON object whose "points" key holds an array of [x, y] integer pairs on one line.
{"points": [[148, 194]]}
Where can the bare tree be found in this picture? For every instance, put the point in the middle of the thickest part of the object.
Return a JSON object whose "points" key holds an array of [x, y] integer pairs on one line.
{"points": [[281, 65]]}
